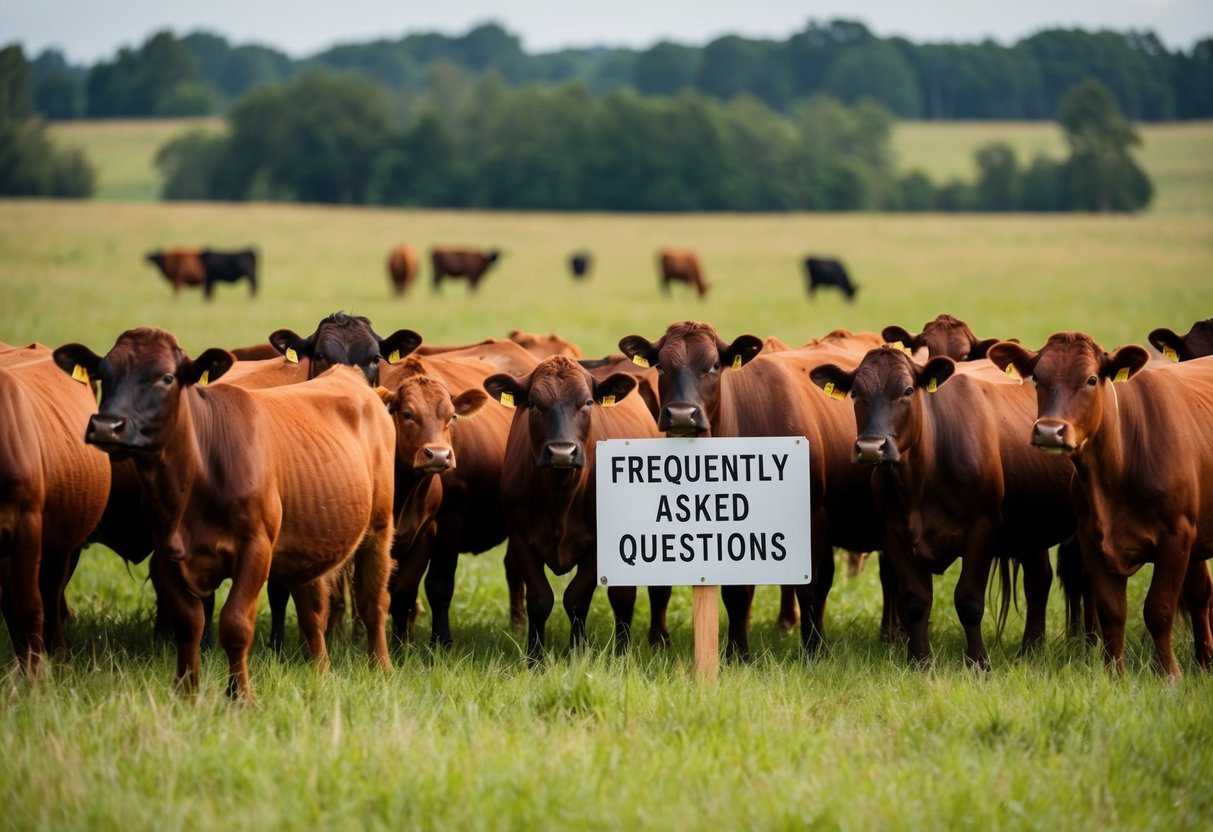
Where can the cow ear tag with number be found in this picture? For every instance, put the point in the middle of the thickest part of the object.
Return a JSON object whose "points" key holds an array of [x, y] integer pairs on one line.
{"points": [[608, 401], [507, 399], [394, 357], [833, 392], [1170, 353], [292, 356], [80, 374], [932, 386], [1122, 374], [737, 362], [640, 361]]}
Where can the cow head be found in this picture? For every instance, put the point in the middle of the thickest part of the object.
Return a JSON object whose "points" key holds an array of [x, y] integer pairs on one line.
{"points": [[423, 410], [558, 396], [887, 389], [1073, 378], [945, 335], [1196, 344], [690, 358], [344, 339], [141, 381]]}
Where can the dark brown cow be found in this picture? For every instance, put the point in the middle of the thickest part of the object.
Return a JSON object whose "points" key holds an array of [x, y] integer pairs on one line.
{"points": [[945, 335], [206, 267], [462, 262], [954, 479], [678, 265], [307, 486], [1144, 463], [53, 491], [256, 352], [548, 489], [402, 268], [703, 393], [1196, 344]]}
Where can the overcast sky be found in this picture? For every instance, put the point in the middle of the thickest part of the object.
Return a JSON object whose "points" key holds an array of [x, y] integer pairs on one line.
{"points": [[89, 31]]}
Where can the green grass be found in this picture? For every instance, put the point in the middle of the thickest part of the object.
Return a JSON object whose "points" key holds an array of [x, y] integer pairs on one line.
{"points": [[472, 738]]}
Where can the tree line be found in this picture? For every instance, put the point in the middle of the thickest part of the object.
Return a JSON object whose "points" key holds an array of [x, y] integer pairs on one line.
{"points": [[202, 73]]}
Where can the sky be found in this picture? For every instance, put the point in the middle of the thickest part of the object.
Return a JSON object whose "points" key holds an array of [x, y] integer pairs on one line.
{"points": [[89, 31]]}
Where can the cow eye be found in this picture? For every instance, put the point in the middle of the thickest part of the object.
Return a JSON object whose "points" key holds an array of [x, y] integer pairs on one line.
{"points": [[168, 379], [716, 367], [909, 391], [1032, 378], [407, 414], [1092, 381], [589, 403]]}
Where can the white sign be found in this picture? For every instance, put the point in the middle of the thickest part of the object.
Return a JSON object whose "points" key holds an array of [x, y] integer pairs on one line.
{"points": [[713, 511]]}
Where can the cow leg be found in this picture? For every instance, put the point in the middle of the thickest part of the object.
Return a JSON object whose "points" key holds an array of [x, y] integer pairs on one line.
{"points": [[312, 610], [970, 593], [411, 563], [338, 582], [890, 621], [915, 596], [1162, 598], [737, 601], [1198, 597], [1037, 581], [279, 594], [539, 602], [623, 604], [372, 565], [52, 580], [659, 602], [183, 611], [517, 590], [1111, 606], [814, 594], [577, 597], [789, 609], [439, 590], [23, 609], [238, 618]]}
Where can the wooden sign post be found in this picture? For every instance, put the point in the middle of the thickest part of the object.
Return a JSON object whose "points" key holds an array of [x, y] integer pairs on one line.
{"points": [[703, 512]]}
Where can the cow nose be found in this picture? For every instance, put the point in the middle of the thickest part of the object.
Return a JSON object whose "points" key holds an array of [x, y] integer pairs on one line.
{"points": [[1049, 435], [438, 458], [872, 450], [103, 429], [562, 455], [681, 419]]}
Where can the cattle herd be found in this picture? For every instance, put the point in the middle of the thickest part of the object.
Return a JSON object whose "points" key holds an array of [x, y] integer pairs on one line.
{"points": [[346, 462]]}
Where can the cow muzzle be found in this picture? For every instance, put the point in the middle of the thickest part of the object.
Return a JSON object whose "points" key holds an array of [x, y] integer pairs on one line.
{"points": [[437, 458], [1053, 436], [106, 431], [681, 419], [873, 450], [562, 455]]}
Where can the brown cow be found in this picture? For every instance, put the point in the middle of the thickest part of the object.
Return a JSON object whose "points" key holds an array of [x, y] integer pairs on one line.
{"points": [[1143, 464], [255, 352], [543, 346], [946, 335], [53, 491], [402, 268], [955, 480], [677, 265], [307, 486], [1196, 344], [462, 262], [548, 489], [709, 387], [180, 266]]}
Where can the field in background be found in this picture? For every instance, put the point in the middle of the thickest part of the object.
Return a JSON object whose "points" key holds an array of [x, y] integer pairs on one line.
{"points": [[472, 738]]}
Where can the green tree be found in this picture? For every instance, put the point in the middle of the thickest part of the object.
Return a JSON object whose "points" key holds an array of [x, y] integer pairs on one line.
{"points": [[1101, 173], [666, 69], [878, 70], [14, 83], [191, 166], [998, 177]]}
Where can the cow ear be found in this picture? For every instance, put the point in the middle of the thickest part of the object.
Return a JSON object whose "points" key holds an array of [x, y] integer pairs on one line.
{"points": [[287, 339], [641, 350], [894, 334], [1013, 359], [835, 381], [1166, 339], [510, 391], [935, 372], [613, 389], [206, 368], [741, 351], [70, 358], [399, 344], [469, 402], [1123, 364], [978, 349]]}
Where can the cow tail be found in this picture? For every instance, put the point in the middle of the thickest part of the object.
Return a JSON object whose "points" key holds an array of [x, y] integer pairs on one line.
{"points": [[1008, 577], [1072, 576]]}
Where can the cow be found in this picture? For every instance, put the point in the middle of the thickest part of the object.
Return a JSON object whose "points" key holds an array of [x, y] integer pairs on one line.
{"points": [[255, 352], [206, 267], [954, 479], [289, 482], [402, 268], [676, 265], [462, 262], [946, 335], [53, 490], [542, 346], [712, 388], [547, 486], [826, 271], [579, 264], [1138, 439], [1196, 344]]}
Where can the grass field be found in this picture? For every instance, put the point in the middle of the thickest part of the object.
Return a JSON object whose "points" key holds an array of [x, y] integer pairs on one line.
{"points": [[472, 738]]}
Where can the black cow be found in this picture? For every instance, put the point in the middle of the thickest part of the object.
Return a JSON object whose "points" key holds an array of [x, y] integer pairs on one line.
{"points": [[228, 267], [823, 271], [579, 264]]}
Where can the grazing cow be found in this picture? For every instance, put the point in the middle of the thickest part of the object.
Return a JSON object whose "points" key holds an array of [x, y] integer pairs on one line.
{"points": [[462, 262], [206, 267], [825, 271], [579, 264], [712, 388], [945, 335], [1139, 441], [1196, 344], [681, 266], [954, 479], [307, 486], [53, 491], [548, 489], [402, 268], [542, 346]]}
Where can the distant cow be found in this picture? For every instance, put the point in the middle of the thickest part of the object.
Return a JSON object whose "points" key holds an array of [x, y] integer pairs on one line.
{"points": [[1196, 344], [462, 262], [579, 264], [402, 267], [824, 271], [548, 489], [307, 487], [681, 266], [1139, 440], [946, 335], [206, 267]]}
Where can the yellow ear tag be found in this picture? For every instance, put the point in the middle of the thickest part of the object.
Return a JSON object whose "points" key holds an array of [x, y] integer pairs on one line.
{"points": [[932, 386], [205, 378], [608, 401], [1013, 373], [98, 383], [292, 356], [80, 374], [737, 362], [394, 357], [640, 361], [1170, 353], [1122, 374], [507, 399], [833, 392], [897, 345]]}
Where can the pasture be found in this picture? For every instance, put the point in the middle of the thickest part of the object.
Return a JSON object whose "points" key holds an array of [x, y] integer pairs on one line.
{"points": [[472, 737]]}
